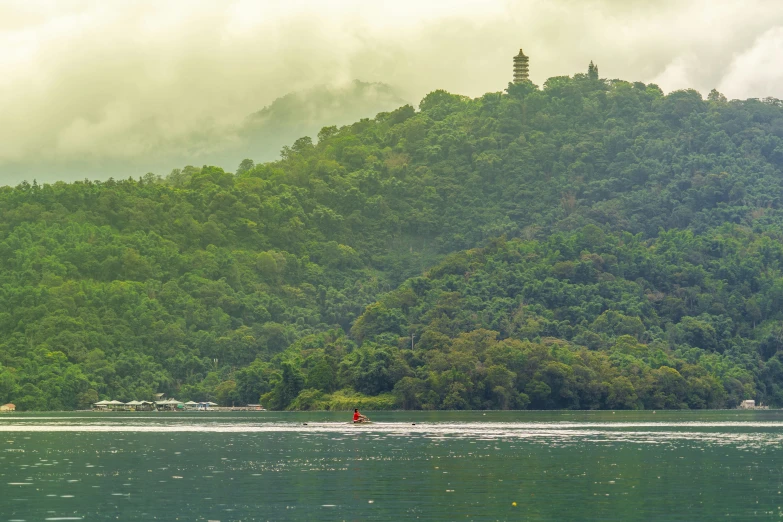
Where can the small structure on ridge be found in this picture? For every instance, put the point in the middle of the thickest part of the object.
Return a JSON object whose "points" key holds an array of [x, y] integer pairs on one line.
{"points": [[521, 72], [592, 71]]}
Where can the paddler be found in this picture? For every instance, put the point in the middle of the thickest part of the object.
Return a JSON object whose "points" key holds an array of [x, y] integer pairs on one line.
{"points": [[358, 417]]}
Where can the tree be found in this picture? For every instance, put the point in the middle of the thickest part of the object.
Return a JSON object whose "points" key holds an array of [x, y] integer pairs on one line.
{"points": [[622, 395], [252, 382], [308, 399], [288, 388], [245, 166], [322, 376], [8, 386], [226, 393], [410, 391], [716, 97], [87, 399]]}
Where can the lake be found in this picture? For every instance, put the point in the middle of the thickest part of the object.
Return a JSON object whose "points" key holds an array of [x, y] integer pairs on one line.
{"points": [[406, 465]]}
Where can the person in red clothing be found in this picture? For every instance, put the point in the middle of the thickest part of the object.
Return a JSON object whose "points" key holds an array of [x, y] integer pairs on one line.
{"points": [[358, 417]]}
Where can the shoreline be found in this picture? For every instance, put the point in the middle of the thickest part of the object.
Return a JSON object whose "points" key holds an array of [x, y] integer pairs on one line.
{"points": [[230, 409]]}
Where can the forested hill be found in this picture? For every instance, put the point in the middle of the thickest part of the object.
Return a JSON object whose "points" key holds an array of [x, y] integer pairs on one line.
{"points": [[628, 256]]}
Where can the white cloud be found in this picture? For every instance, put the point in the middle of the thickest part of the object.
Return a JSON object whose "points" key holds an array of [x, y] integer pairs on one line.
{"points": [[758, 71], [146, 81]]}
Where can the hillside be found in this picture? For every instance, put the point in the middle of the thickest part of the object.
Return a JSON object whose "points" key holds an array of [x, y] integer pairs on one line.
{"points": [[628, 250], [588, 320]]}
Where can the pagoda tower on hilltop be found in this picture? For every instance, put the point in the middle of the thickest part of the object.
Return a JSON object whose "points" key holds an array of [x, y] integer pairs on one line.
{"points": [[521, 68]]}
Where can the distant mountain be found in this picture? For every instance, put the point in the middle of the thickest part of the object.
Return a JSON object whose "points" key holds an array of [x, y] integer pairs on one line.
{"points": [[260, 136], [304, 113]]}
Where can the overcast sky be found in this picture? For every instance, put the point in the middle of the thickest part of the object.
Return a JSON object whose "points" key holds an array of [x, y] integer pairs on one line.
{"points": [[115, 85]]}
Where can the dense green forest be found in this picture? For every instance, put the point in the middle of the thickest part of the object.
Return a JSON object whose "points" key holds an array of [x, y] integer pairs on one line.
{"points": [[588, 244]]}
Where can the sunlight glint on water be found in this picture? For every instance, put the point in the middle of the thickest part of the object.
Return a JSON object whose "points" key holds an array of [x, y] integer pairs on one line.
{"points": [[306, 466]]}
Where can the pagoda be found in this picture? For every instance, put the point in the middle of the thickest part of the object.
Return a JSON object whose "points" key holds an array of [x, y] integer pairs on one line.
{"points": [[521, 67]]}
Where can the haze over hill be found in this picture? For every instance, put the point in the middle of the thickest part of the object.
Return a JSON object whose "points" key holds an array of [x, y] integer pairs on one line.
{"points": [[92, 91], [260, 135]]}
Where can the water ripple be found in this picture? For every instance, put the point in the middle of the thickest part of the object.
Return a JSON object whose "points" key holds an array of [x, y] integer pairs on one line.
{"points": [[752, 434]]}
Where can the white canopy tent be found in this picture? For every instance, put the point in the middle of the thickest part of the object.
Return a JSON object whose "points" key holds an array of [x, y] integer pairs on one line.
{"points": [[169, 404]]}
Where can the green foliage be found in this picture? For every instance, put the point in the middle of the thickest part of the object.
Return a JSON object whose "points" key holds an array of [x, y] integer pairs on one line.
{"points": [[625, 254], [287, 389], [516, 329]]}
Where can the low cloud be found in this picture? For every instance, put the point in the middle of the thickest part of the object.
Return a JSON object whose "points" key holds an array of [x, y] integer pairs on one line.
{"points": [[98, 89]]}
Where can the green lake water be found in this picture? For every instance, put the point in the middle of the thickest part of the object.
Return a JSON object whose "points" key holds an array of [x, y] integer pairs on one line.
{"points": [[406, 465]]}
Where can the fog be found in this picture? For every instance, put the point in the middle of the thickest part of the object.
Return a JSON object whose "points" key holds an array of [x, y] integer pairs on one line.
{"points": [[97, 89]]}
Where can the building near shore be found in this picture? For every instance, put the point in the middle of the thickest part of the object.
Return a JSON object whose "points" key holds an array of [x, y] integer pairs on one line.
{"points": [[169, 405], [749, 404], [139, 405], [8, 407]]}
